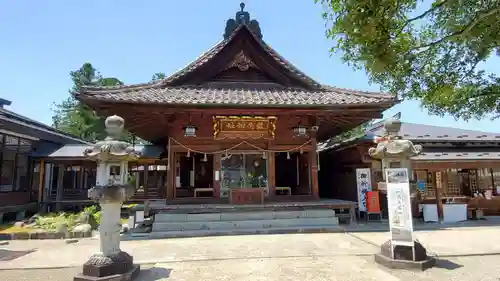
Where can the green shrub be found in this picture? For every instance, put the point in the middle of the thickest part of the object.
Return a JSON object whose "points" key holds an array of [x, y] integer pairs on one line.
{"points": [[53, 220], [94, 215]]}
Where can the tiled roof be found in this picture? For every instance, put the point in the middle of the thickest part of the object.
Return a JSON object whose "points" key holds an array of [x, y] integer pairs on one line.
{"points": [[418, 134], [166, 91], [241, 96], [207, 56], [429, 133], [457, 156]]}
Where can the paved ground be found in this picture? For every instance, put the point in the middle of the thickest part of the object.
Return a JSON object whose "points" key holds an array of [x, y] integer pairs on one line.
{"points": [[465, 254]]}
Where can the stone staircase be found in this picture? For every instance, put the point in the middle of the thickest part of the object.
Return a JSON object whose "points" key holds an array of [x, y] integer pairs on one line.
{"points": [[238, 222]]}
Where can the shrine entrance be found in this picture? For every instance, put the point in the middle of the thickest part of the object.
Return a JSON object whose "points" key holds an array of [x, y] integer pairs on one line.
{"points": [[194, 175]]}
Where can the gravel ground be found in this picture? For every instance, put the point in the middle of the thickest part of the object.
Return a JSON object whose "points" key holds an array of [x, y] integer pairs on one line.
{"points": [[347, 268], [464, 254]]}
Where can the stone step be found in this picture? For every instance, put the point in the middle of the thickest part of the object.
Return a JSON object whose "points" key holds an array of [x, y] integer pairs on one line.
{"points": [[212, 232], [244, 216], [244, 224]]}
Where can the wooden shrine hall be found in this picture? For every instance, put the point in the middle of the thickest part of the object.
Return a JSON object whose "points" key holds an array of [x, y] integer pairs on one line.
{"points": [[239, 123]]}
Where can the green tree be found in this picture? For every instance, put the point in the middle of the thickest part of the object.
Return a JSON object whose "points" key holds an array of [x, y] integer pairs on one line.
{"points": [[426, 50], [158, 76], [75, 118]]}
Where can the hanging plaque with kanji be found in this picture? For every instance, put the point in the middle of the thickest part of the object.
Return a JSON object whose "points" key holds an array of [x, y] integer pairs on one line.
{"points": [[244, 127]]}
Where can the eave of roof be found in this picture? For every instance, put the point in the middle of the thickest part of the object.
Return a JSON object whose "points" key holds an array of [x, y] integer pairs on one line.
{"points": [[461, 136], [12, 117], [74, 151], [201, 96], [464, 155]]}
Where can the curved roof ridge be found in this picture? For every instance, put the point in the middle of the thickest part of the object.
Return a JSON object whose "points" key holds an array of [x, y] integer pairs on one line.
{"points": [[170, 78], [357, 92], [288, 64]]}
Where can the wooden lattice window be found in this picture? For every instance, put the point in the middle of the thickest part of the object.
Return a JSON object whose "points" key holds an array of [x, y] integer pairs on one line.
{"points": [[452, 187], [484, 179], [496, 180], [426, 176]]}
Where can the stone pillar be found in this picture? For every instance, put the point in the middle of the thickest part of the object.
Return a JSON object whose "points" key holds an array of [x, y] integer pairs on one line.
{"points": [[393, 148], [109, 230], [111, 190]]}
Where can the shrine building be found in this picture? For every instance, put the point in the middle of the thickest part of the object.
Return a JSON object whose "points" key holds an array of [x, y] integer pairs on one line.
{"points": [[239, 123]]}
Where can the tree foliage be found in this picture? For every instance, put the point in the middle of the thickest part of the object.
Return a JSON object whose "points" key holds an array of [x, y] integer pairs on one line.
{"points": [[426, 50], [77, 119], [158, 76]]}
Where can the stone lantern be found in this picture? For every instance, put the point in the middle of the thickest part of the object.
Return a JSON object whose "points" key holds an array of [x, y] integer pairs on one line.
{"points": [[111, 190], [393, 149]]}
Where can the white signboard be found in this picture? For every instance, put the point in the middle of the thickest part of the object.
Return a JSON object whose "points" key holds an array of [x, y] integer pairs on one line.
{"points": [[364, 184], [399, 206]]}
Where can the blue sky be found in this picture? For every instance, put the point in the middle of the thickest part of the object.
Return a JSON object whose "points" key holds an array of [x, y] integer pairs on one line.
{"points": [[42, 41]]}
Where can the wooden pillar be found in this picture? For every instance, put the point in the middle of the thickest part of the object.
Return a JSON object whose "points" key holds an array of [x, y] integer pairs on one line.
{"points": [[313, 163], [146, 183], [82, 177], [439, 197], [60, 186], [217, 169], [40, 181], [271, 173], [171, 176]]}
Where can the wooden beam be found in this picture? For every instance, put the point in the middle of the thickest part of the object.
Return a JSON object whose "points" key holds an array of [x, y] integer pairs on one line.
{"points": [[438, 179], [339, 110], [40, 181], [271, 171]]}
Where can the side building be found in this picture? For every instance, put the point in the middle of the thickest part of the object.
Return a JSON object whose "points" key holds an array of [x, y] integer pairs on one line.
{"points": [[20, 175], [456, 165]]}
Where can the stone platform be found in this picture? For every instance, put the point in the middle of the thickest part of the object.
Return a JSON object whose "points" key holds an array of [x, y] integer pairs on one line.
{"points": [[403, 264], [191, 220], [404, 257], [210, 205], [119, 267]]}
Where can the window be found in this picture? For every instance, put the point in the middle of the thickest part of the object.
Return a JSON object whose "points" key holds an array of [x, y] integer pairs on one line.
{"points": [[136, 176], [14, 163], [243, 170], [22, 175], [8, 164], [35, 181]]}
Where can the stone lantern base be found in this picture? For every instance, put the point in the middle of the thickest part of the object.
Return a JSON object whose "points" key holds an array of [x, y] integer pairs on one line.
{"points": [[119, 267], [403, 257]]}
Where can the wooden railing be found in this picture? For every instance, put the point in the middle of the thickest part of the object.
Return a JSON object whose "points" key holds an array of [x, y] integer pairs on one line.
{"points": [[153, 192], [14, 198], [71, 194]]}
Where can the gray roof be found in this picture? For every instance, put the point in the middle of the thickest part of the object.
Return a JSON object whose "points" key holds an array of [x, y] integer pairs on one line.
{"points": [[76, 151], [430, 133], [457, 156], [20, 124]]}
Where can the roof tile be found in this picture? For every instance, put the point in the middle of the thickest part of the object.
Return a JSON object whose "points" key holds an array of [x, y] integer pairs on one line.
{"points": [[241, 96]]}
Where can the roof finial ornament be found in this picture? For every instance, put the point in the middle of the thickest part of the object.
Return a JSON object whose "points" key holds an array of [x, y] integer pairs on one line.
{"points": [[242, 18]]}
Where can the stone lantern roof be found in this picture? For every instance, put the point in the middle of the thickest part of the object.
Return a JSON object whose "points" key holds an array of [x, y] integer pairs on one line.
{"points": [[112, 148]]}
